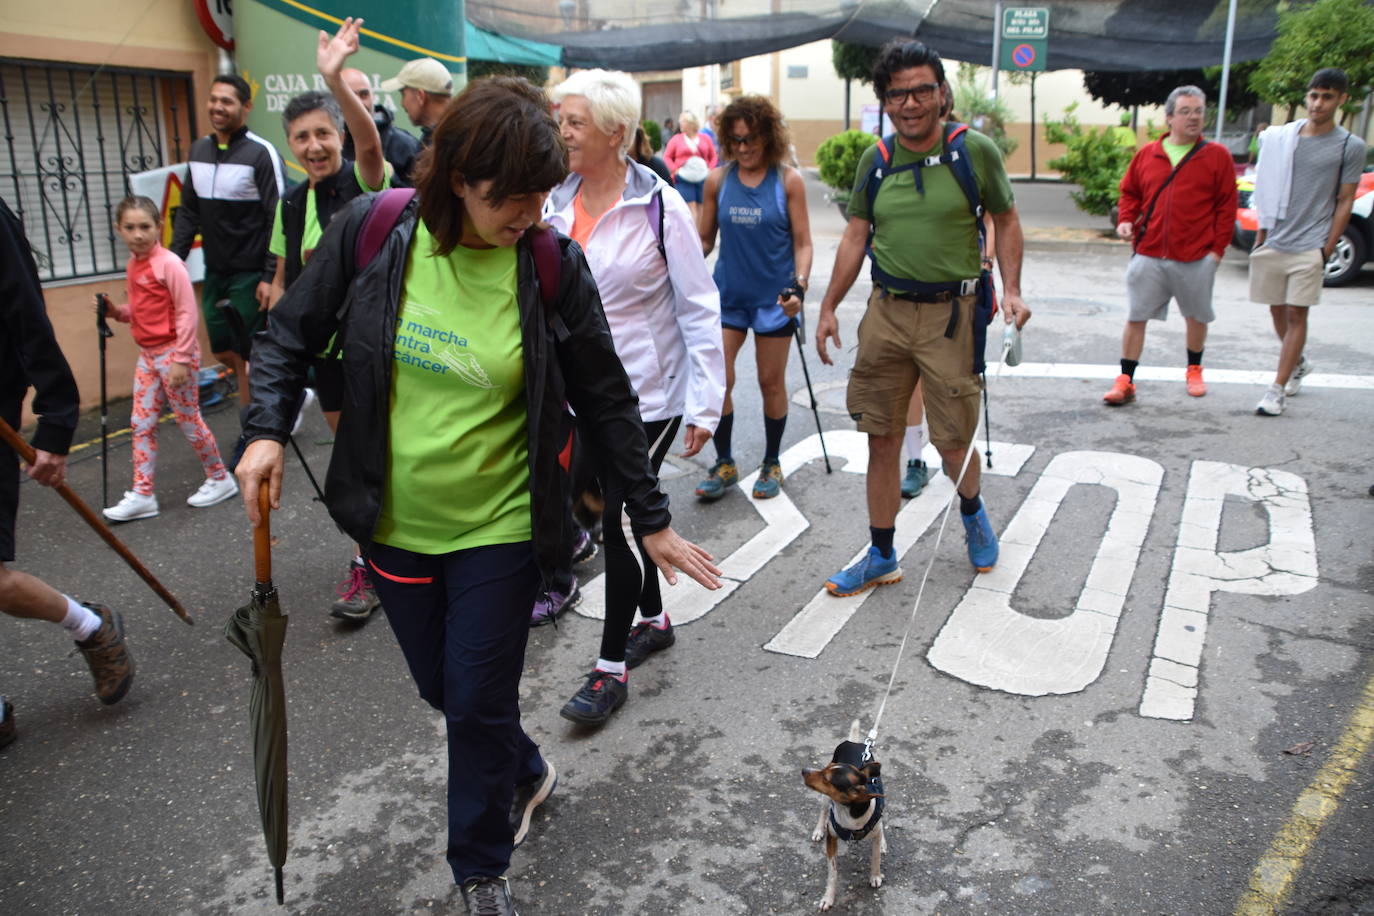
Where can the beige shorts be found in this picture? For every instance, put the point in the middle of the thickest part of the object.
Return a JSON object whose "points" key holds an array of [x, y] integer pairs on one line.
{"points": [[1286, 277], [900, 342]]}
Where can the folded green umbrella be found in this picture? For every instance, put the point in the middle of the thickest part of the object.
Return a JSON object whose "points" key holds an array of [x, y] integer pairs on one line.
{"points": [[259, 630]]}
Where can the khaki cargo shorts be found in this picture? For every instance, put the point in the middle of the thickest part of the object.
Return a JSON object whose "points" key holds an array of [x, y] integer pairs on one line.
{"points": [[900, 342]]}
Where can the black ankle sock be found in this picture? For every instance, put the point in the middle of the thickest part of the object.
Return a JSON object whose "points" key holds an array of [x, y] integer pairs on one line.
{"points": [[969, 505], [1195, 357], [1128, 368], [882, 539], [772, 436], [722, 436]]}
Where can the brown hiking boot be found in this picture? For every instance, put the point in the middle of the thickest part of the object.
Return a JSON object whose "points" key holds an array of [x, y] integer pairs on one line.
{"points": [[111, 664]]}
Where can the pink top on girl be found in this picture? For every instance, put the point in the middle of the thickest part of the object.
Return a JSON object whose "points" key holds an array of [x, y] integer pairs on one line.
{"points": [[162, 306]]}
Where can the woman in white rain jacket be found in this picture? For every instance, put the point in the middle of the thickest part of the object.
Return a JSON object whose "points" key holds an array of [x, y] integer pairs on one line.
{"points": [[664, 313]]}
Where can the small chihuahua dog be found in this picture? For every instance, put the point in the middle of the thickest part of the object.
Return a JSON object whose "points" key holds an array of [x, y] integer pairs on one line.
{"points": [[853, 811]]}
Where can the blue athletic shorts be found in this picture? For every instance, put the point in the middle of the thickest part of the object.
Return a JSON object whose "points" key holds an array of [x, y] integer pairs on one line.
{"points": [[766, 320]]}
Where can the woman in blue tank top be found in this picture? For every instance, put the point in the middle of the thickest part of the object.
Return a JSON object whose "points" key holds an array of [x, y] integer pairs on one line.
{"points": [[759, 207]]}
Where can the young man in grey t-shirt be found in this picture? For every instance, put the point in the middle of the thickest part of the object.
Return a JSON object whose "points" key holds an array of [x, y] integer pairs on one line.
{"points": [[1303, 193]]}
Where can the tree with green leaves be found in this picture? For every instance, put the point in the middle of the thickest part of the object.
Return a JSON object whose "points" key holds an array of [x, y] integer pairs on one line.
{"points": [[1327, 33], [852, 62], [1133, 88]]}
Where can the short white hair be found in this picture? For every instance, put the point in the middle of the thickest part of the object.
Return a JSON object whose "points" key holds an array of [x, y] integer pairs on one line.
{"points": [[687, 117], [613, 96]]}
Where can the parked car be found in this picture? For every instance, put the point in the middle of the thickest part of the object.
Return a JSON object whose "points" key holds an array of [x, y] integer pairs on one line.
{"points": [[1353, 249]]}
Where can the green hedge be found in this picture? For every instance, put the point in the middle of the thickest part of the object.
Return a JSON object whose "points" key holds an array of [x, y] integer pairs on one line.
{"points": [[838, 158]]}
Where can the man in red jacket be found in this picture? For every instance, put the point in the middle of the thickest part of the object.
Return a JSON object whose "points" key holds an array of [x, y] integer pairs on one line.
{"points": [[1178, 203]]}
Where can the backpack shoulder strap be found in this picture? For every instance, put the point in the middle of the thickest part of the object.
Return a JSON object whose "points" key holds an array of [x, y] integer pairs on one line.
{"points": [[962, 166], [878, 170], [548, 265], [380, 220]]}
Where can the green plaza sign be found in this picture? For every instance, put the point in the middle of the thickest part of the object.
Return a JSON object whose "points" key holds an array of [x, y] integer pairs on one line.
{"points": [[1025, 35]]}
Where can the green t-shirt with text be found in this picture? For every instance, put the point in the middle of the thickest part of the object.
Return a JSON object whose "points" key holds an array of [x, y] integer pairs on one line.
{"points": [[457, 444], [931, 237]]}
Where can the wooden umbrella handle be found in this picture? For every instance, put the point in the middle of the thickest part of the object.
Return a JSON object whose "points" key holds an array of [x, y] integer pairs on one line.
{"points": [[262, 536], [26, 452]]}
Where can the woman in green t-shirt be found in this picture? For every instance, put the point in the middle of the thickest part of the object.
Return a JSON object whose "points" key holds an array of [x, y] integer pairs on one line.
{"points": [[447, 463]]}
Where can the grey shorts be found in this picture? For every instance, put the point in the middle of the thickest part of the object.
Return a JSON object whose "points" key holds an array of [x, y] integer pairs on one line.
{"points": [[1152, 282]]}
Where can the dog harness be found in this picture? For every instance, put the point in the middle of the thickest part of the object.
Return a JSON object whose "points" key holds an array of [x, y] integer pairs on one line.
{"points": [[853, 753]]}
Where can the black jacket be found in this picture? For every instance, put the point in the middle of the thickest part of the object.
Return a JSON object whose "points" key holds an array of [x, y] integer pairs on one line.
{"points": [[230, 198], [331, 195], [577, 365], [398, 147], [29, 354]]}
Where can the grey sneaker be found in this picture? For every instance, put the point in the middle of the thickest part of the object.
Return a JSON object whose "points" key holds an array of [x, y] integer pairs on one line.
{"points": [[488, 897], [1271, 405], [528, 797], [1294, 384], [357, 599]]}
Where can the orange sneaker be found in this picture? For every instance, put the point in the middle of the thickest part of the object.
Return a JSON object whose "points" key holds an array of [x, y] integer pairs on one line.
{"points": [[1123, 391], [1196, 387]]}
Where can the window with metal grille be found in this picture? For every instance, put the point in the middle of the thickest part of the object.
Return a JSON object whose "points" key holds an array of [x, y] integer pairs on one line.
{"points": [[73, 134]]}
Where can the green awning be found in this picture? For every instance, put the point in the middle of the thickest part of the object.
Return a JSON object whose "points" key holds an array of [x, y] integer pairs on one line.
{"points": [[504, 49]]}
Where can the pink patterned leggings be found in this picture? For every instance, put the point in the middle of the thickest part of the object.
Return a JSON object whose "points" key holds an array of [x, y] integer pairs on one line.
{"points": [[152, 389]]}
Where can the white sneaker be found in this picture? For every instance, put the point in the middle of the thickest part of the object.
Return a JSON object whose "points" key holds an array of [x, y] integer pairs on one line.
{"points": [[212, 492], [1295, 380], [132, 507], [1271, 405], [300, 414]]}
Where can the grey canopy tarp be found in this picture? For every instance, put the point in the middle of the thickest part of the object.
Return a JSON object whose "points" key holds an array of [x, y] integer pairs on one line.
{"points": [[638, 35]]}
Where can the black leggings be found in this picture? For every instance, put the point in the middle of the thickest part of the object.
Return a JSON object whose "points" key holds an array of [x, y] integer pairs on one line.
{"points": [[631, 577]]}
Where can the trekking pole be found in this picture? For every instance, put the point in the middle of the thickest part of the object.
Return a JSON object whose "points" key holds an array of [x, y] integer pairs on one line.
{"points": [[102, 307], [30, 457], [806, 373], [319, 494]]}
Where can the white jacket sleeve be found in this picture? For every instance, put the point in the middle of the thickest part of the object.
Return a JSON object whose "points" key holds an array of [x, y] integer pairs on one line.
{"points": [[696, 305]]}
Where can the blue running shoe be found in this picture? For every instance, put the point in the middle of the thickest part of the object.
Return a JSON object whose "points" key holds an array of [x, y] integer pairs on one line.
{"points": [[872, 569], [723, 476], [982, 541], [915, 480], [769, 482]]}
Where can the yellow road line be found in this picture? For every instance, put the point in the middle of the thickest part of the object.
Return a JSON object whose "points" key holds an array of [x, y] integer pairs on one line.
{"points": [[165, 418], [1273, 877], [377, 35]]}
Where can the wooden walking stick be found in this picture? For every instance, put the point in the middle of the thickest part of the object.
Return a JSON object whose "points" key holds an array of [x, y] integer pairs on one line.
{"points": [[26, 452]]}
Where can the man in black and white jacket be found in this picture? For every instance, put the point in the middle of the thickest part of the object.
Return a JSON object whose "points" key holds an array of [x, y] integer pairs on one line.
{"points": [[236, 178]]}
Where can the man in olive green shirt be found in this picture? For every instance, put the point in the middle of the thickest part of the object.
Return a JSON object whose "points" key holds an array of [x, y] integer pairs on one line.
{"points": [[925, 235]]}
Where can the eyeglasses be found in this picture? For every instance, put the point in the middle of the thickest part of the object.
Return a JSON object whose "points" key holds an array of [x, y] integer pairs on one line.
{"points": [[921, 92], [744, 140]]}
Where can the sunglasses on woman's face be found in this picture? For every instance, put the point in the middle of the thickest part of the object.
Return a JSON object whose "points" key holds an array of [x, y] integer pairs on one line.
{"points": [[744, 139]]}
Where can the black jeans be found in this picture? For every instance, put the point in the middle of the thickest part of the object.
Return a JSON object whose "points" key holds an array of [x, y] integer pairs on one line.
{"points": [[462, 620]]}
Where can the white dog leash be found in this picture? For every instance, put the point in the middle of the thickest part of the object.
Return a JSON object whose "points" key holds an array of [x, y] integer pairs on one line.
{"points": [[1011, 356]]}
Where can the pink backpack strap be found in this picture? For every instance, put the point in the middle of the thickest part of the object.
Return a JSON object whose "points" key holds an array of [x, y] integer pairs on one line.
{"points": [[380, 220], [548, 264]]}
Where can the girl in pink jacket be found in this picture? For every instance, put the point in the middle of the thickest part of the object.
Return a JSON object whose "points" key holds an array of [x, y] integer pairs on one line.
{"points": [[163, 316]]}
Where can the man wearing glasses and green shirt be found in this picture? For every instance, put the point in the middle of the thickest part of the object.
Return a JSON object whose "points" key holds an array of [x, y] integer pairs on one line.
{"points": [[922, 230]]}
